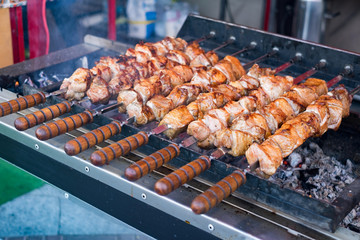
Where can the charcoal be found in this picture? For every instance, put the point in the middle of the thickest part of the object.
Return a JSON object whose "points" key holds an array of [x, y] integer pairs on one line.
{"points": [[320, 176], [295, 159]]}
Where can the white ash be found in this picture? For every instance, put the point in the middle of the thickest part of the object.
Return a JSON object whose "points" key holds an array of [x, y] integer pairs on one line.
{"points": [[352, 220], [318, 175], [295, 159]]}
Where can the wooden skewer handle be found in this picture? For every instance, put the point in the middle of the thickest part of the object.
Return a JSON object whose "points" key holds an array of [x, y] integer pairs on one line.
{"points": [[151, 162], [183, 175], [120, 148], [21, 103], [92, 138], [221, 190], [43, 115], [64, 125]]}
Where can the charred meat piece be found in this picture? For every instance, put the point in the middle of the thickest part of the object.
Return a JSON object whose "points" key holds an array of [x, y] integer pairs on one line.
{"points": [[98, 91]]}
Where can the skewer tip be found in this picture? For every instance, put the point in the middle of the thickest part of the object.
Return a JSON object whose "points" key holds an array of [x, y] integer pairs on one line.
{"points": [[130, 120]]}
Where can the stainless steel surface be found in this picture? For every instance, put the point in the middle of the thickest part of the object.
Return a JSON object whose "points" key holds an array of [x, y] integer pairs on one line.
{"points": [[309, 22]]}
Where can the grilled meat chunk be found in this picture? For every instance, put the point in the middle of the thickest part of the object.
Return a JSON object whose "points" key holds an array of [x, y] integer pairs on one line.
{"points": [[98, 91]]}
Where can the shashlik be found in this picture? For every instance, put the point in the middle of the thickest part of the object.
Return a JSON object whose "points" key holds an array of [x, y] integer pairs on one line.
{"points": [[120, 73], [179, 118], [146, 88], [324, 113], [255, 127], [203, 80], [271, 87]]}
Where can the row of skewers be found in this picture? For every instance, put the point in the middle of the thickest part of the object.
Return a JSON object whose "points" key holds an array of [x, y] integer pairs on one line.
{"points": [[217, 102]]}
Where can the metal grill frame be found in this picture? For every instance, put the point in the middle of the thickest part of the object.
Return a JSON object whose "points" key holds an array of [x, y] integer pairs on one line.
{"points": [[321, 214]]}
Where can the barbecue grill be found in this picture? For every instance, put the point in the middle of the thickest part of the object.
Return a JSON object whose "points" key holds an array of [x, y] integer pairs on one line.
{"points": [[258, 209]]}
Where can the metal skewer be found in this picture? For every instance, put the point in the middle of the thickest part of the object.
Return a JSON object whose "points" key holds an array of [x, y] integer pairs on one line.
{"points": [[61, 126], [27, 101], [228, 42], [46, 114], [249, 64], [210, 35], [297, 58]]}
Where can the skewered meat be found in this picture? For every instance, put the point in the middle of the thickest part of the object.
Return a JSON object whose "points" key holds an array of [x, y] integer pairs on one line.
{"points": [[324, 113], [120, 82], [161, 50], [257, 125], [178, 57], [77, 84], [178, 75], [167, 72], [150, 87], [181, 94], [236, 66], [147, 49], [200, 107], [103, 71], [98, 91], [142, 113], [207, 126], [193, 50], [205, 103], [145, 60], [255, 71], [127, 97], [174, 43], [226, 68], [213, 58], [160, 105], [184, 94]]}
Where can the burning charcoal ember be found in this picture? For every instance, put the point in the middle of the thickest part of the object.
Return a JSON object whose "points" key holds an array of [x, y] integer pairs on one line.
{"points": [[319, 176]]}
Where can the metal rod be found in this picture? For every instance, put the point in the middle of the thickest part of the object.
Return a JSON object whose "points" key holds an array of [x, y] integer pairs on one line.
{"points": [[210, 35], [347, 70], [107, 109], [251, 46], [288, 64], [249, 64], [334, 81], [355, 90], [58, 92], [312, 71], [228, 42]]}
